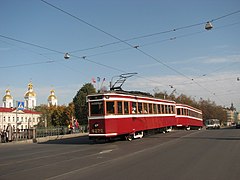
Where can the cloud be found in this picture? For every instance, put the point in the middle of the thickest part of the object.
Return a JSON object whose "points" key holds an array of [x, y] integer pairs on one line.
{"points": [[219, 60]]}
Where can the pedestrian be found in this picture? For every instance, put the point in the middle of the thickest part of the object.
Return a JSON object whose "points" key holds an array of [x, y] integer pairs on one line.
{"points": [[9, 131], [1, 134]]}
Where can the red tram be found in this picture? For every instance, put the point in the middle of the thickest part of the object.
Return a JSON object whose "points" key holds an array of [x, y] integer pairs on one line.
{"points": [[188, 117], [119, 114]]}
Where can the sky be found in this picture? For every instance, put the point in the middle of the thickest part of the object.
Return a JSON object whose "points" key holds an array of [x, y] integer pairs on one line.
{"points": [[164, 42]]}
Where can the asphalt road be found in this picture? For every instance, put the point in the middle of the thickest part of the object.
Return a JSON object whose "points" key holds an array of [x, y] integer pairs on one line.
{"points": [[180, 155]]}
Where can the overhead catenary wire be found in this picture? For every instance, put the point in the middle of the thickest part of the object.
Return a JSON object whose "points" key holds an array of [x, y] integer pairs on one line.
{"points": [[102, 53], [83, 57], [31, 44], [153, 34], [125, 42], [102, 31]]}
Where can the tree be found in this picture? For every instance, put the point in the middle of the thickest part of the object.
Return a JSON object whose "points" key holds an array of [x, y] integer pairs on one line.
{"points": [[161, 95], [55, 115], [210, 109], [80, 104], [46, 113], [69, 113]]}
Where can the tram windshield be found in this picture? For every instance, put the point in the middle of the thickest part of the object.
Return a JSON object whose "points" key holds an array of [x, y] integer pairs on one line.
{"points": [[96, 108]]}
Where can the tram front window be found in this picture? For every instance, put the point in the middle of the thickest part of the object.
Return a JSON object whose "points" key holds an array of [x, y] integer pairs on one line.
{"points": [[96, 108], [110, 107]]}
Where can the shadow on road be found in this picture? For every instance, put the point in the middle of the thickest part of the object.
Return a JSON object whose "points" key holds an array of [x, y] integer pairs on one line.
{"points": [[81, 140], [70, 141]]}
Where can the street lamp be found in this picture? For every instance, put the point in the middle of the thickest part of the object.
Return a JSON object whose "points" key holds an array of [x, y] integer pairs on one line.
{"points": [[208, 26], [66, 56]]}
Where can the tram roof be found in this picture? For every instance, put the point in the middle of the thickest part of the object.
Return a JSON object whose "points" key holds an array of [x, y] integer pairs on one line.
{"points": [[179, 105], [132, 94]]}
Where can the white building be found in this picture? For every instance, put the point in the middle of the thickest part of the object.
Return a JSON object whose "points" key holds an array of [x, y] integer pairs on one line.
{"points": [[52, 99], [22, 119]]}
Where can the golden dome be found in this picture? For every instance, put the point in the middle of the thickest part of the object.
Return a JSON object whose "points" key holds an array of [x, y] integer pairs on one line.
{"points": [[7, 95], [30, 92], [52, 96]]}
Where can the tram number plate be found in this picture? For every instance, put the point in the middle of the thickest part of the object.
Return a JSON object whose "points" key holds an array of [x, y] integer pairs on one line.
{"points": [[97, 131]]}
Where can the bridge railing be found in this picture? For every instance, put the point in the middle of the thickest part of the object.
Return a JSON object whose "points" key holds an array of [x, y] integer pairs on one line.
{"points": [[33, 133]]}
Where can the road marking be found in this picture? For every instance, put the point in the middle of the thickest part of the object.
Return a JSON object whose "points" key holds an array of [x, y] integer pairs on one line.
{"points": [[106, 151]]}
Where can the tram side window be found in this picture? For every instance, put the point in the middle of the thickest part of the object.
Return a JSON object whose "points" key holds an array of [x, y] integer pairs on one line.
{"points": [[178, 111], [140, 108], [154, 108], [184, 112], [172, 110], [168, 109], [126, 108], [120, 107], [150, 108], [162, 109], [145, 105], [134, 107], [96, 108], [110, 107], [159, 109], [191, 113]]}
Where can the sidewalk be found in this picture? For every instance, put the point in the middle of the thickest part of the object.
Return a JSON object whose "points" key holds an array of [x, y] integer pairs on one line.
{"points": [[45, 139]]}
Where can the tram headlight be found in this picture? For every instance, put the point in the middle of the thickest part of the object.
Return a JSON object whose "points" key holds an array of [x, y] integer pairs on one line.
{"points": [[96, 125]]}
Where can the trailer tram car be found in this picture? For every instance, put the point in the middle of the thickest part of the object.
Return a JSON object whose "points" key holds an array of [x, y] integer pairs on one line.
{"points": [[119, 114], [188, 117]]}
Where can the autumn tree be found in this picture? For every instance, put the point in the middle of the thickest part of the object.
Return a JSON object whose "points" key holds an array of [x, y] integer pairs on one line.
{"points": [[56, 115], [210, 109], [80, 104]]}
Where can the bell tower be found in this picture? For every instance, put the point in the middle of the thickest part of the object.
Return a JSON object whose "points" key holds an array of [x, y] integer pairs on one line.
{"points": [[52, 99], [7, 100], [30, 97]]}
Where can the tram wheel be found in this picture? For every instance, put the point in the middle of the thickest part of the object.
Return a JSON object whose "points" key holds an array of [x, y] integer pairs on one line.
{"points": [[129, 137]]}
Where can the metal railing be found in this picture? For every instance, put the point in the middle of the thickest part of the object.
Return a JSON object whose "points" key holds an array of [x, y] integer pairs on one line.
{"points": [[33, 133]]}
